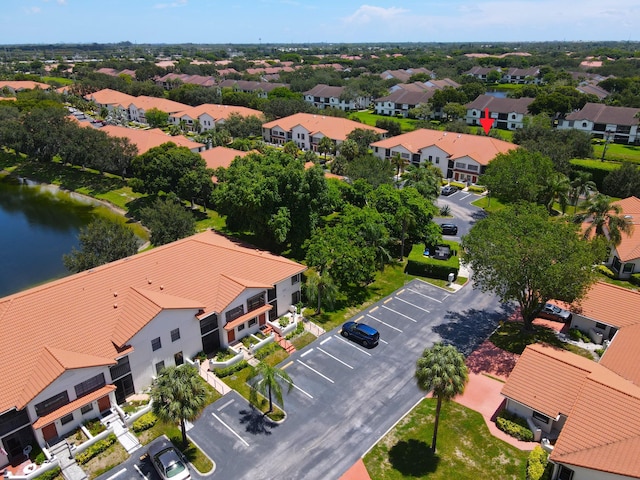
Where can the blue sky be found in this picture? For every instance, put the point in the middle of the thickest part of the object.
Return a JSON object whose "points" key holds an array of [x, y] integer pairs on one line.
{"points": [[329, 21]]}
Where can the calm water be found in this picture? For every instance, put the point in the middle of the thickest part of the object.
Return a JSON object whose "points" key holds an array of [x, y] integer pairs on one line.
{"points": [[36, 228], [497, 93]]}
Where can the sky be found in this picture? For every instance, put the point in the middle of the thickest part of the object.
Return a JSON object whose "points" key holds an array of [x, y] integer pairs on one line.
{"points": [[316, 21]]}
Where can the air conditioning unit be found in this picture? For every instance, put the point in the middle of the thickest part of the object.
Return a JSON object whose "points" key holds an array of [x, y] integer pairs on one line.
{"points": [[293, 309]]}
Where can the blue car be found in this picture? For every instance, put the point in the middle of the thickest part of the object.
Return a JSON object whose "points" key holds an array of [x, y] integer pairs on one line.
{"points": [[360, 332]]}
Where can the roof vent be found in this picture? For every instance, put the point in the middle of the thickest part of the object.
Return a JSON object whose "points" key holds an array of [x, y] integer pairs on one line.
{"points": [[115, 294], [161, 287], [115, 305]]}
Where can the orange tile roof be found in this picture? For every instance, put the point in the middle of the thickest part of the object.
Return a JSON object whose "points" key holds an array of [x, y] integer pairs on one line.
{"points": [[457, 145], [333, 127], [629, 247], [623, 355], [548, 379], [148, 139], [90, 316], [221, 156], [218, 112], [74, 405], [610, 304], [111, 97], [17, 85], [145, 103], [309, 165]]}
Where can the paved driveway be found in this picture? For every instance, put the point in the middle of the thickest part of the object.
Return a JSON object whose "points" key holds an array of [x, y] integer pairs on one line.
{"points": [[346, 397]]}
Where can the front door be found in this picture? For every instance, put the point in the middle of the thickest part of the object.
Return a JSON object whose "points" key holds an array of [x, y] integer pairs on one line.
{"points": [[104, 403], [49, 432]]}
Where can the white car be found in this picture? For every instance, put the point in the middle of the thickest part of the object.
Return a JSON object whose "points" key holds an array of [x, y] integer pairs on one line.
{"points": [[553, 312], [168, 461]]}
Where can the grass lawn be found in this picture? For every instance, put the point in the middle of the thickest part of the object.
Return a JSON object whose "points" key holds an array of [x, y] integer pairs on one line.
{"points": [[369, 118], [105, 461], [616, 281], [510, 337], [489, 204], [465, 448], [617, 152]]}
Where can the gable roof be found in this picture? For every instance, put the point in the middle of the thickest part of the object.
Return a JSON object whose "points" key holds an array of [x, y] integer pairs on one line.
{"points": [[326, 91], [148, 139], [629, 247], [456, 145], [90, 316], [410, 97], [335, 128], [623, 355], [217, 112], [19, 85], [145, 103], [107, 96], [221, 156], [610, 304], [600, 113], [501, 105]]}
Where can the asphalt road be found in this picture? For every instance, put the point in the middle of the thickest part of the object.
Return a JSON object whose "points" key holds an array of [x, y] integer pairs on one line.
{"points": [[464, 214]]}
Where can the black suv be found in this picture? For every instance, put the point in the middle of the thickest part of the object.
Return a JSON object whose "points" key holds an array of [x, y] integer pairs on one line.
{"points": [[449, 229], [361, 332]]}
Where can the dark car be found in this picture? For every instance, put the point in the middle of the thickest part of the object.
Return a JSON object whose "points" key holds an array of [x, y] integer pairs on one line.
{"points": [[449, 229], [361, 332], [553, 312], [448, 190]]}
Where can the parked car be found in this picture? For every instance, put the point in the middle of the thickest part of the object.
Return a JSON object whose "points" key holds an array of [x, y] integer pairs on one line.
{"points": [[449, 229], [553, 312], [448, 190], [361, 332], [168, 461]]}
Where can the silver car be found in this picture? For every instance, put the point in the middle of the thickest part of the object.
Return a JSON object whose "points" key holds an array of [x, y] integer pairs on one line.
{"points": [[168, 461]]}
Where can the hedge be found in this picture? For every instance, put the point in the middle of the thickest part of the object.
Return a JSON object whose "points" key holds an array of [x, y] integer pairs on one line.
{"points": [[145, 422], [225, 372], [606, 271], [635, 279], [95, 449], [49, 474], [514, 425], [267, 350], [537, 464], [598, 170]]}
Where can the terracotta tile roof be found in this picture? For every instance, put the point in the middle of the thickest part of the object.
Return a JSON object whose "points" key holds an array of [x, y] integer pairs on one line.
{"points": [[247, 316], [218, 112], [600, 113], [168, 106], [111, 97], [629, 247], [481, 149], [548, 380], [623, 355], [148, 139], [74, 405], [610, 304], [501, 105], [221, 156], [90, 316], [326, 91], [333, 127], [19, 85], [602, 431]]}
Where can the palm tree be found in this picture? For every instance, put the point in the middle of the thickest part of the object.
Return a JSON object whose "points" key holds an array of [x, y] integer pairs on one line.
{"points": [[581, 186], [178, 394], [325, 145], [399, 162], [424, 179], [321, 288], [557, 187], [265, 379], [606, 219], [441, 369]]}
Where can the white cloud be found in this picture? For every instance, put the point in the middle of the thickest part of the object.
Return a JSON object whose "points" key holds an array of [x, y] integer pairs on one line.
{"points": [[177, 3], [368, 13], [32, 10], [62, 2]]}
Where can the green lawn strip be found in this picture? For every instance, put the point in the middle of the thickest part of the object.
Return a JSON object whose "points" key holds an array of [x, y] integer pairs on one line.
{"points": [[616, 281], [369, 118], [105, 461], [617, 152], [489, 204], [511, 337], [302, 340], [465, 448]]}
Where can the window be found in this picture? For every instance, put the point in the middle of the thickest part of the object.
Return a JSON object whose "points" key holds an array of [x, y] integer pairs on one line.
{"points": [[252, 322], [90, 385], [616, 264], [295, 298], [461, 166], [271, 294], [178, 358], [209, 324], [234, 313], [51, 404], [241, 327], [628, 268], [156, 344], [175, 334], [159, 367], [273, 313], [473, 168], [255, 302], [601, 326], [541, 417], [86, 409], [296, 278], [584, 124], [437, 159], [121, 369], [565, 473], [66, 419]]}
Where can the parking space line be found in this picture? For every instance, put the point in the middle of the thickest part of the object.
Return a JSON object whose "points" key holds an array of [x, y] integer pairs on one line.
{"points": [[117, 474], [387, 300], [352, 345], [306, 353], [426, 296], [384, 323], [400, 292], [287, 365], [413, 305], [374, 309], [225, 405], [401, 314], [466, 196], [140, 472], [315, 371], [335, 358], [380, 340], [298, 388], [359, 318], [325, 340], [230, 429]]}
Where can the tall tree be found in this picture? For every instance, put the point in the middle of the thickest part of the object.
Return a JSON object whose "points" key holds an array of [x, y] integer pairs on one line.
{"points": [[556, 187], [168, 220], [102, 241], [156, 118], [605, 219], [326, 146], [441, 370], [425, 179], [581, 187], [364, 137], [399, 163], [178, 395], [522, 255], [267, 380], [321, 290]]}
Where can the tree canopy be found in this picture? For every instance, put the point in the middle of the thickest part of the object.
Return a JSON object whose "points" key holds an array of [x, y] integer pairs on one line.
{"points": [[168, 221]]}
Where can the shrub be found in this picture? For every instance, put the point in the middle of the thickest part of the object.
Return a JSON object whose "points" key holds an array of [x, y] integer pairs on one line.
{"points": [[445, 211], [225, 372], [578, 335], [514, 425], [267, 350], [94, 426], [537, 464], [40, 458], [145, 422], [299, 329], [599, 351], [284, 321], [477, 189], [635, 279], [225, 354], [200, 356], [95, 449], [604, 270], [49, 474]]}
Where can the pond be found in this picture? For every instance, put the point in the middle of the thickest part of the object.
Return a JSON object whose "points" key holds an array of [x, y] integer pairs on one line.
{"points": [[39, 226], [497, 93]]}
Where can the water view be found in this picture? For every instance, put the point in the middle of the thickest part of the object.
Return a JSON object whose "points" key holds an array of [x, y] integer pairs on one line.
{"points": [[38, 226]]}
